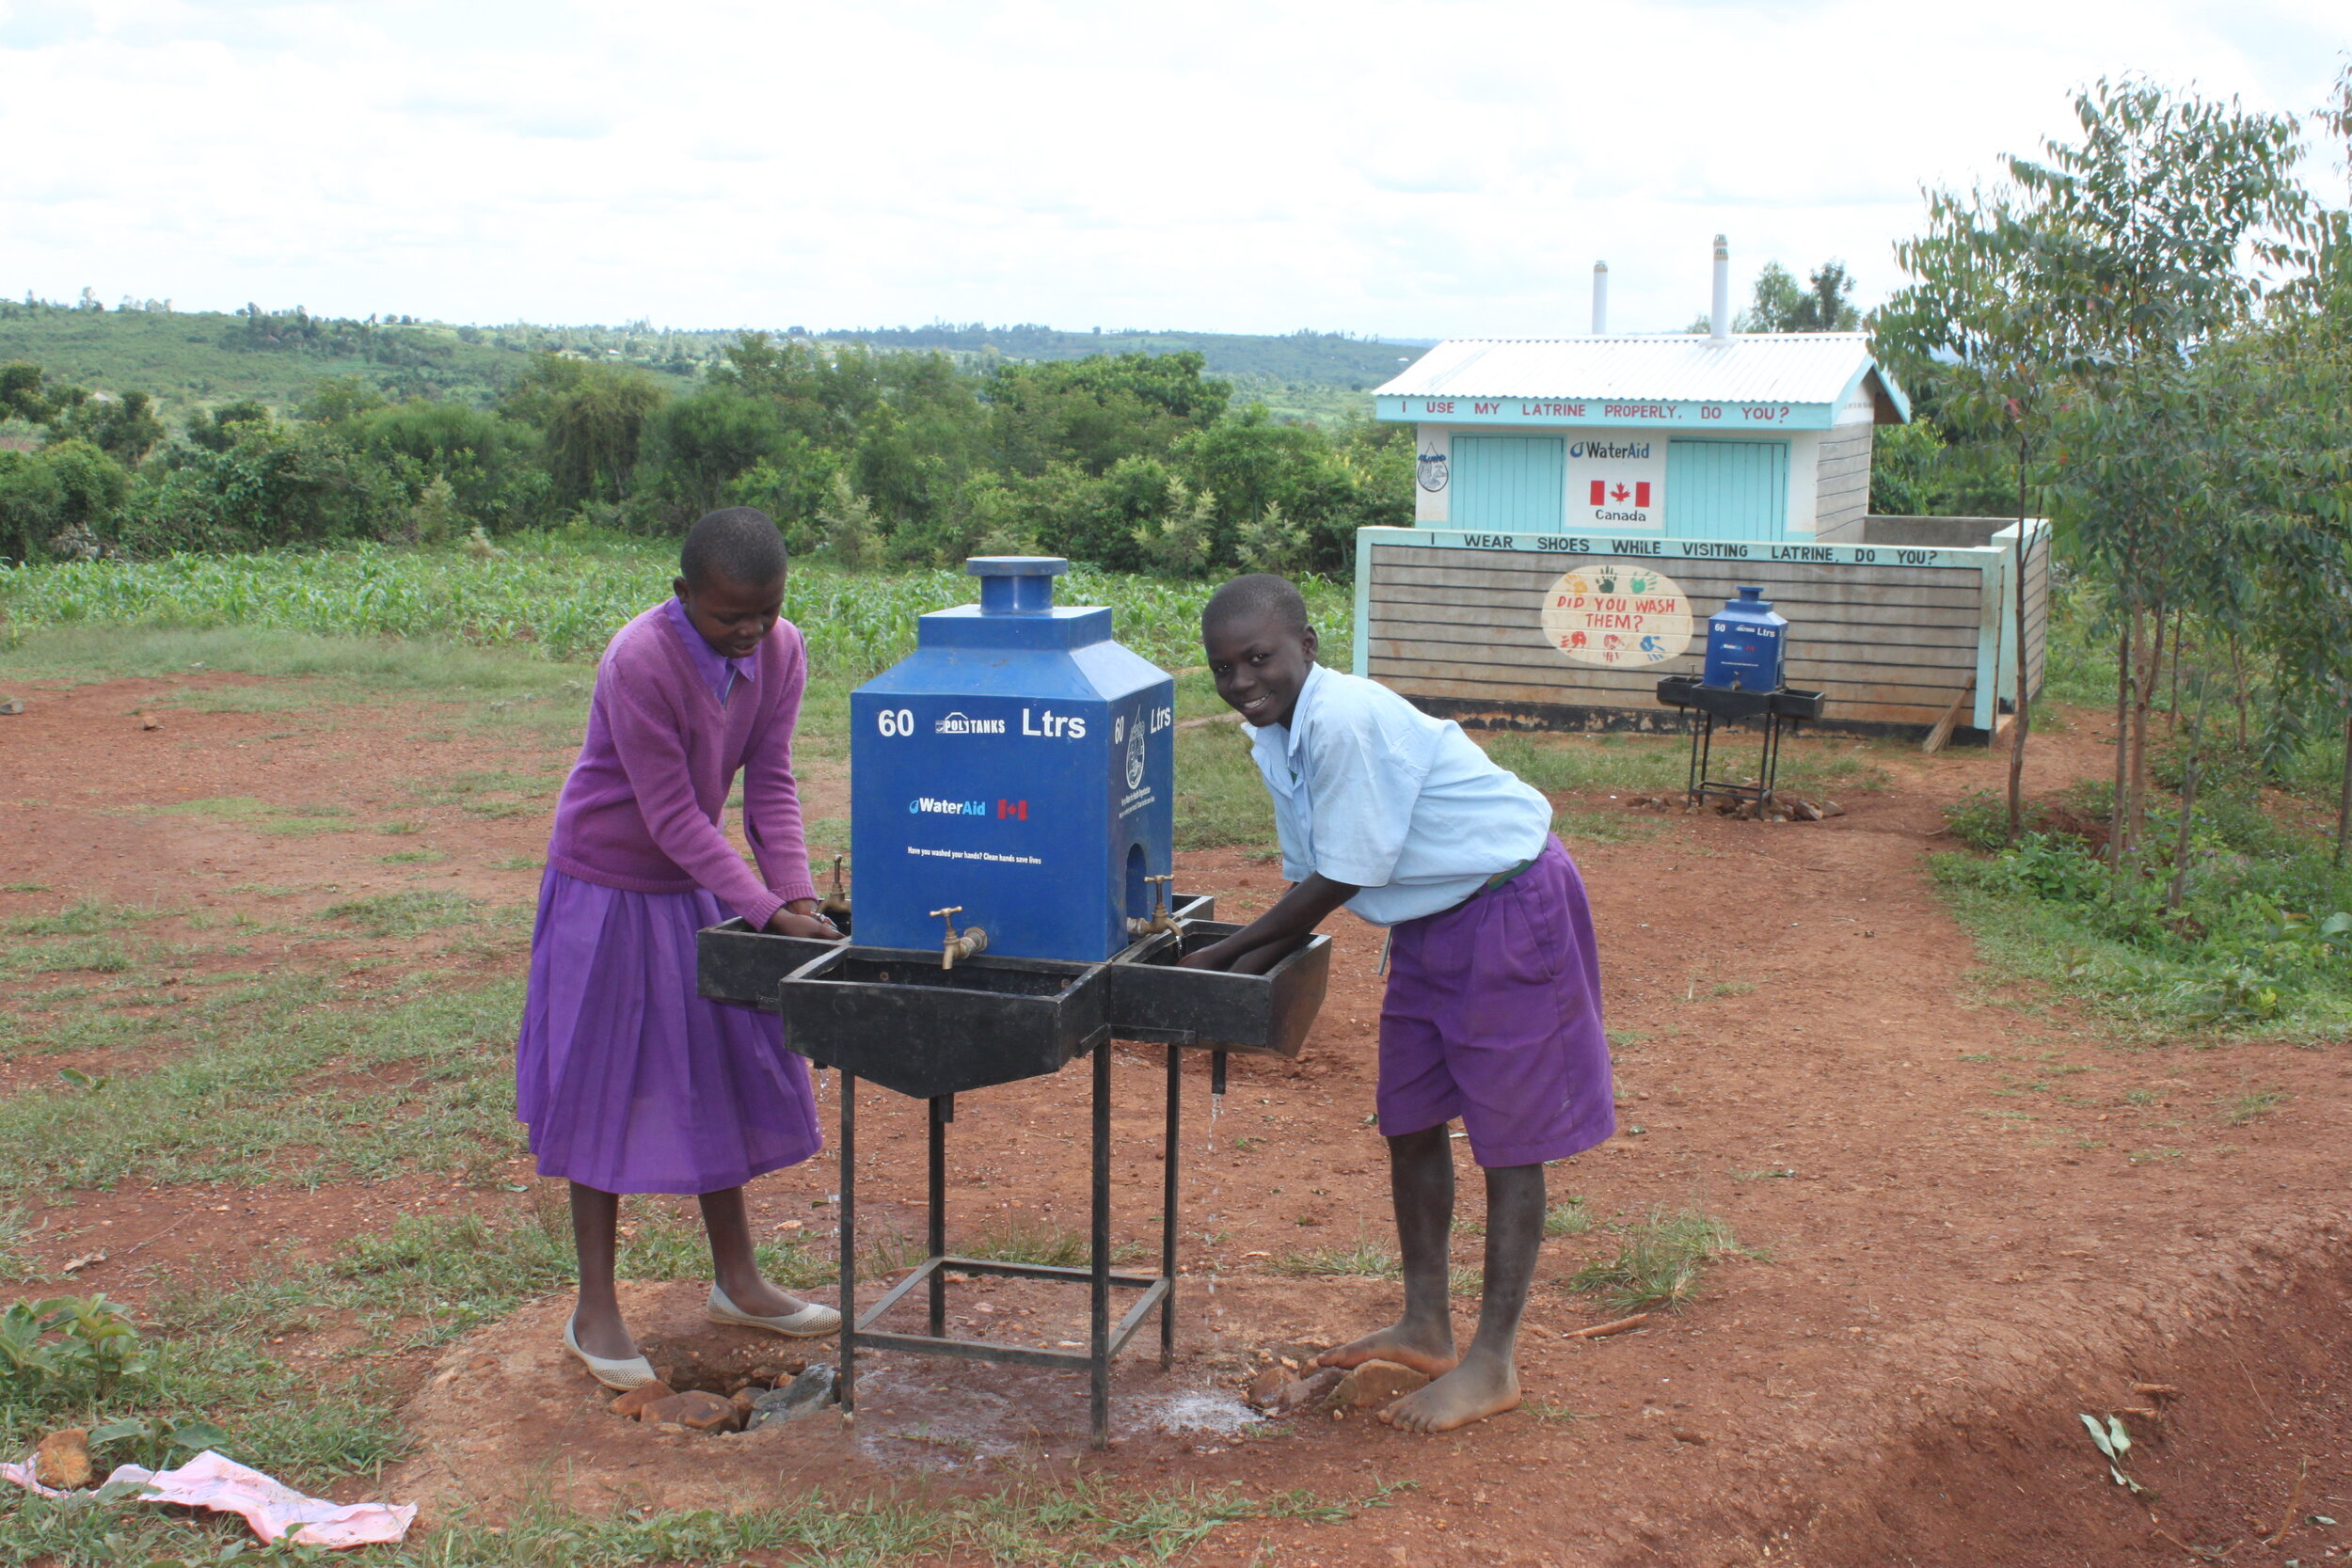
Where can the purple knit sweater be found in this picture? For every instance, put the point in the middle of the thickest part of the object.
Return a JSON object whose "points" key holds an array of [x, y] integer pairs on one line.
{"points": [[641, 810]]}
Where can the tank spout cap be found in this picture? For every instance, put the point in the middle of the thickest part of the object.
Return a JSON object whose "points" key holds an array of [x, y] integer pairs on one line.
{"points": [[1016, 584], [1751, 595]]}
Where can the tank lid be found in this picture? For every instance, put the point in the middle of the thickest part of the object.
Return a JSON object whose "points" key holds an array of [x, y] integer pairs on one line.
{"points": [[1751, 596], [1016, 584]]}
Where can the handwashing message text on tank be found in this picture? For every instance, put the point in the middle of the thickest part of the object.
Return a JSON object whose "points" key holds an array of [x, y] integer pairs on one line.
{"points": [[1616, 613]]}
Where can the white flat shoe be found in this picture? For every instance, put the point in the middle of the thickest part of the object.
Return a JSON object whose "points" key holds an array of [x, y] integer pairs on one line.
{"points": [[812, 1322], [633, 1372]]}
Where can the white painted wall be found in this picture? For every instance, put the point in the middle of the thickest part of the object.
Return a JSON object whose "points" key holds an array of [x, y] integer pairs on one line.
{"points": [[1433, 508], [1805, 475]]}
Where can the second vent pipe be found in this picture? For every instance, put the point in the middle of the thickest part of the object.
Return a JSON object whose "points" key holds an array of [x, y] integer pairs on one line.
{"points": [[1719, 319], [1600, 298]]}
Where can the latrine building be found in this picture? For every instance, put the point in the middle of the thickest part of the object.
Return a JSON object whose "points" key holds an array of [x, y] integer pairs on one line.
{"points": [[1583, 503]]}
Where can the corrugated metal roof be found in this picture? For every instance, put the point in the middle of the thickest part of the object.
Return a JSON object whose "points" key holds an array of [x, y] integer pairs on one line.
{"points": [[1804, 367]]}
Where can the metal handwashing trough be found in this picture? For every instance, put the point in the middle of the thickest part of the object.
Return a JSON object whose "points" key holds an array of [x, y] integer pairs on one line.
{"points": [[1153, 1001], [894, 1017]]}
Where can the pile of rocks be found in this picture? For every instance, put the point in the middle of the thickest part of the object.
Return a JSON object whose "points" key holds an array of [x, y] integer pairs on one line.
{"points": [[1292, 1383], [766, 1398]]}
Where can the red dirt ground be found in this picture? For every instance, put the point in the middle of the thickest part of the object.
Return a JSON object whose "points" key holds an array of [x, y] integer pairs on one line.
{"points": [[1962, 1251]]}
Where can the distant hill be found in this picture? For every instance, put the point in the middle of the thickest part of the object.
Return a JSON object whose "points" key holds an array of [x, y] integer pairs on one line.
{"points": [[192, 359], [1338, 359]]}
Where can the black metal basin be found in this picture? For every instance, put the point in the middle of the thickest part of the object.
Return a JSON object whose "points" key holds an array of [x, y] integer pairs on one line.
{"points": [[893, 1016], [735, 963], [1153, 1001]]}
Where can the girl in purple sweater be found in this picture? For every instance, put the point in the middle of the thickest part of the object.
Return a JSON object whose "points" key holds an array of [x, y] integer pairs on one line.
{"points": [[629, 1080]]}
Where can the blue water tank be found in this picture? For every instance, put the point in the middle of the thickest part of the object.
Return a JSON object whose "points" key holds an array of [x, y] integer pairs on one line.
{"points": [[1018, 763], [1746, 643]]}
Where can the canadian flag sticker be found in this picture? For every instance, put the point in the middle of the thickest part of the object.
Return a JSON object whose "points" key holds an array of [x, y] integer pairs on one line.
{"points": [[1606, 494]]}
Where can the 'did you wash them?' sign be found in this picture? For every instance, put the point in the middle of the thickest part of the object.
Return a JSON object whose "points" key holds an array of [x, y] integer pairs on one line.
{"points": [[1616, 613]]}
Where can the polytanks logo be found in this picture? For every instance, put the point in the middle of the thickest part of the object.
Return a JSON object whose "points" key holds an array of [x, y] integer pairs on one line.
{"points": [[1134, 754], [957, 724]]}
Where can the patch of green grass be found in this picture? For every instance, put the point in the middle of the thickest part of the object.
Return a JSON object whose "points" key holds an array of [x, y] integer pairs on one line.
{"points": [[406, 825], [289, 1077], [1606, 827], [518, 862], [1078, 1524], [406, 914], [560, 593], [17, 1265], [1220, 797], [1365, 1259], [2253, 1106], [23, 887], [259, 815], [411, 857], [1582, 763], [1661, 1261], [1567, 1217], [2141, 992], [660, 1246], [79, 920]]}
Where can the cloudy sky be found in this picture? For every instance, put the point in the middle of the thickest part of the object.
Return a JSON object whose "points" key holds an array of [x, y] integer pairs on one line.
{"points": [[1444, 167]]}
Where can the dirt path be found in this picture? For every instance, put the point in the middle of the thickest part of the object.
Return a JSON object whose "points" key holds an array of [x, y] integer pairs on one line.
{"points": [[1977, 1216]]}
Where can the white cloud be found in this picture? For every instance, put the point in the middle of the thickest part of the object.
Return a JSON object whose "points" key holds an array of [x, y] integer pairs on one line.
{"points": [[1439, 167]]}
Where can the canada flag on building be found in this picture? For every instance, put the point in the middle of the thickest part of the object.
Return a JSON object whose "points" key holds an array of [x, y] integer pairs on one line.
{"points": [[1606, 494]]}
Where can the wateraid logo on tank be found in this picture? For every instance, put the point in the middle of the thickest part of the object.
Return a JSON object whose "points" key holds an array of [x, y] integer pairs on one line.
{"points": [[926, 805]]}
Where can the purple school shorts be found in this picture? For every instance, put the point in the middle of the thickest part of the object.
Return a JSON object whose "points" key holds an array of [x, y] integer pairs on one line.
{"points": [[1493, 1015]]}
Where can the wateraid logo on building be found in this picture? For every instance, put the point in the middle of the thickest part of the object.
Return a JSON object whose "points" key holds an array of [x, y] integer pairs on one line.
{"points": [[924, 805], [957, 723], [1634, 450]]}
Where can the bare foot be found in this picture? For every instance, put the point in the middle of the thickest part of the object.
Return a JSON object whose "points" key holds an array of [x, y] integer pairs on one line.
{"points": [[1429, 1352], [1471, 1392], [763, 1300]]}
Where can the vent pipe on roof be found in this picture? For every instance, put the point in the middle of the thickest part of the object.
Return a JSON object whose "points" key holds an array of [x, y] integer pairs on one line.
{"points": [[1719, 319], [1600, 298]]}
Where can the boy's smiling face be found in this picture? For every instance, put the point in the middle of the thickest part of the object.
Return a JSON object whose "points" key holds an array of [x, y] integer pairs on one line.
{"points": [[1259, 664], [733, 617]]}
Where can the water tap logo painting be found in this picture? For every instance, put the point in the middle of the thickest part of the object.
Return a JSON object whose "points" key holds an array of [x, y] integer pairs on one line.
{"points": [[1134, 754], [1433, 470], [1616, 613]]}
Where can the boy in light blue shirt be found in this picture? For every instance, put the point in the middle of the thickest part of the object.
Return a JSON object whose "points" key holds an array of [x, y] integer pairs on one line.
{"points": [[1493, 1005]]}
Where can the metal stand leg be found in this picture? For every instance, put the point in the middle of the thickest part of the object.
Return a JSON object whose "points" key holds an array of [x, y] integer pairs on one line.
{"points": [[1168, 1209], [847, 1381], [1099, 1281], [943, 1111]]}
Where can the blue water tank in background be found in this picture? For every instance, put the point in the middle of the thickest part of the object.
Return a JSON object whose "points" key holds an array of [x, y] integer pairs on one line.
{"points": [[1747, 643], [1018, 763]]}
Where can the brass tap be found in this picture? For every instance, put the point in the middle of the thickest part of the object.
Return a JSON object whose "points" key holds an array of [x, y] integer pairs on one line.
{"points": [[836, 905], [1162, 920], [959, 944]]}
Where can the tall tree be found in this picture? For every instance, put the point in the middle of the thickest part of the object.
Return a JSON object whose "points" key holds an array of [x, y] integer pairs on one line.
{"points": [[2126, 245]]}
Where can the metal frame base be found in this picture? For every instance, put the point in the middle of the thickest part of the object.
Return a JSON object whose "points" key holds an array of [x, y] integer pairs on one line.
{"points": [[1702, 754], [1103, 1339]]}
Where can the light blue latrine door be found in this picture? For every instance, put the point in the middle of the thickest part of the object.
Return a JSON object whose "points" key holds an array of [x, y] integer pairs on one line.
{"points": [[1509, 483], [1726, 489]]}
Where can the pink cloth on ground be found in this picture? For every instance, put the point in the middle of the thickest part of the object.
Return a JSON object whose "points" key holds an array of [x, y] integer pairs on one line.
{"points": [[271, 1507]]}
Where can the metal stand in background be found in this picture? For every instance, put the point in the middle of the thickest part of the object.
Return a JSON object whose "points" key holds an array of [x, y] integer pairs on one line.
{"points": [[1777, 709], [1103, 1340]]}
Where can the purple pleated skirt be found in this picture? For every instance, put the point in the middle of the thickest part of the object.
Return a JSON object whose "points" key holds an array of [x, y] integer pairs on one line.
{"points": [[629, 1080]]}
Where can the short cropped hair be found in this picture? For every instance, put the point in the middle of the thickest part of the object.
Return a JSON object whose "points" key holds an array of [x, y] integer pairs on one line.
{"points": [[738, 543], [1259, 594]]}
